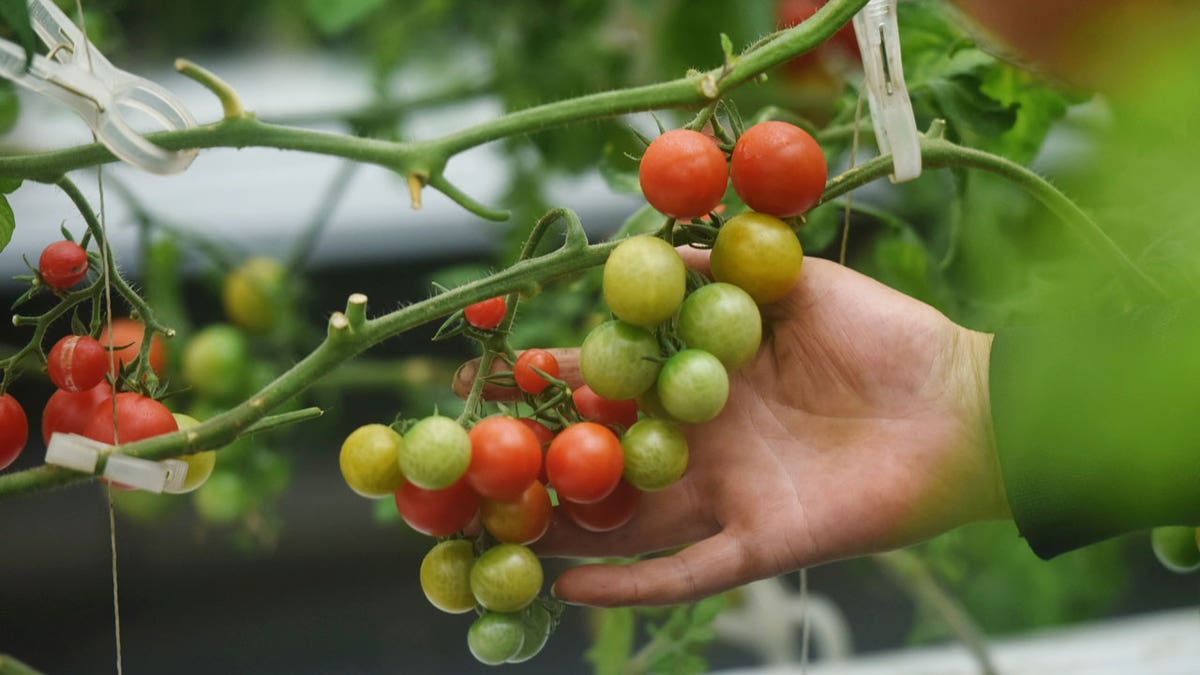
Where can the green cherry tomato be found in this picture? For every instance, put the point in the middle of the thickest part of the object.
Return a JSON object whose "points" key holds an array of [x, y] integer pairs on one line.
{"points": [[618, 360], [446, 576], [506, 578], [537, 623], [369, 460], [224, 498], [435, 453], [200, 464], [651, 406], [722, 320], [215, 362], [1176, 548], [251, 291], [656, 454], [496, 637], [644, 281], [759, 254], [693, 386]]}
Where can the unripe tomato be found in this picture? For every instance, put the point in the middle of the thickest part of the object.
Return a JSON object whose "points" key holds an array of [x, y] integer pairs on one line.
{"points": [[619, 360], [14, 430], [584, 462], [68, 412], [607, 514], [1176, 548], [644, 281], [446, 576], [683, 174], [127, 337], [656, 454], [486, 314], [506, 578], [528, 379], [77, 362], [595, 408], [496, 637], [518, 521], [722, 320], [224, 498], [505, 458], [435, 453], [138, 417], [215, 362], [537, 622], [759, 254], [650, 406], [370, 461], [250, 293], [437, 513], [62, 265], [778, 169], [693, 386], [200, 464]]}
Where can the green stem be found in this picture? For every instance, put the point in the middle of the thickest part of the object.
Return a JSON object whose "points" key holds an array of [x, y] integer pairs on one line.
{"points": [[11, 666], [915, 577], [343, 342], [937, 153], [428, 158]]}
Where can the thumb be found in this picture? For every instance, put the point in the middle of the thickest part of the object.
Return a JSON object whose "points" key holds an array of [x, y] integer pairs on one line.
{"points": [[708, 567], [568, 369]]}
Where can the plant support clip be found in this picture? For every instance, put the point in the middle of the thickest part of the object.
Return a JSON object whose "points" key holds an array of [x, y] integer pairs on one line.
{"points": [[891, 110], [77, 75], [82, 454]]}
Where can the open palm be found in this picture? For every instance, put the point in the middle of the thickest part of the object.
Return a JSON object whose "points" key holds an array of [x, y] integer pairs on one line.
{"points": [[860, 425]]}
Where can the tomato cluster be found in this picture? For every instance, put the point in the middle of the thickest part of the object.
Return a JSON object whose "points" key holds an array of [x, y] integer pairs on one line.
{"points": [[444, 478]]}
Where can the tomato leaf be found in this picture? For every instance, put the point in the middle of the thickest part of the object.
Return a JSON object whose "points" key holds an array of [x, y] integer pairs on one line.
{"points": [[10, 185], [617, 166], [16, 14], [10, 108], [334, 17], [614, 642], [643, 221], [8, 222]]}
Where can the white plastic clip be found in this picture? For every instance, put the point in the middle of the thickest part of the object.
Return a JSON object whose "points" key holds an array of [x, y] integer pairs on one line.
{"points": [[73, 451], [77, 75], [80, 453], [891, 110]]}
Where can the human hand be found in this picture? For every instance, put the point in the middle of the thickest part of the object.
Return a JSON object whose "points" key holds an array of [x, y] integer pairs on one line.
{"points": [[861, 425]]}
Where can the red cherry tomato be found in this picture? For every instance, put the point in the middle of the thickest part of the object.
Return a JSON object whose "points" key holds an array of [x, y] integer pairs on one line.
{"points": [[778, 169], [544, 436], [595, 408], [62, 265], [437, 513], [505, 458], [585, 462], [14, 430], [68, 412], [607, 514], [527, 378], [127, 344], [486, 315], [138, 417], [683, 174], [518, 521], [77, 362]]}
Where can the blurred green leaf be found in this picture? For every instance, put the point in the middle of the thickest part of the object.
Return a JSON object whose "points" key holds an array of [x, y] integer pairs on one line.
{"points": [[334, 17], [16, 14], [10, 108], [8, 222], [617, 166], [614, 641]]}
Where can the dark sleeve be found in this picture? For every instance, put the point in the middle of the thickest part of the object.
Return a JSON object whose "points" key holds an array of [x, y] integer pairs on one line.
{"points": [[1097, 426]]}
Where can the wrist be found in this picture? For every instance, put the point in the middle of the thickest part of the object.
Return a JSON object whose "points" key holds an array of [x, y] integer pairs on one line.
{"points": [[976, 395]]}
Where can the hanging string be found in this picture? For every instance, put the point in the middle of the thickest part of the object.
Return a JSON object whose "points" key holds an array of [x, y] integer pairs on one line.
{"points": [[853, 161], [105, 252]]}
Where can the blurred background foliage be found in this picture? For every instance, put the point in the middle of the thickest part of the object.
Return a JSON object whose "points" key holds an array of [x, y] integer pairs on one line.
{"points": [[975, 247]]}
